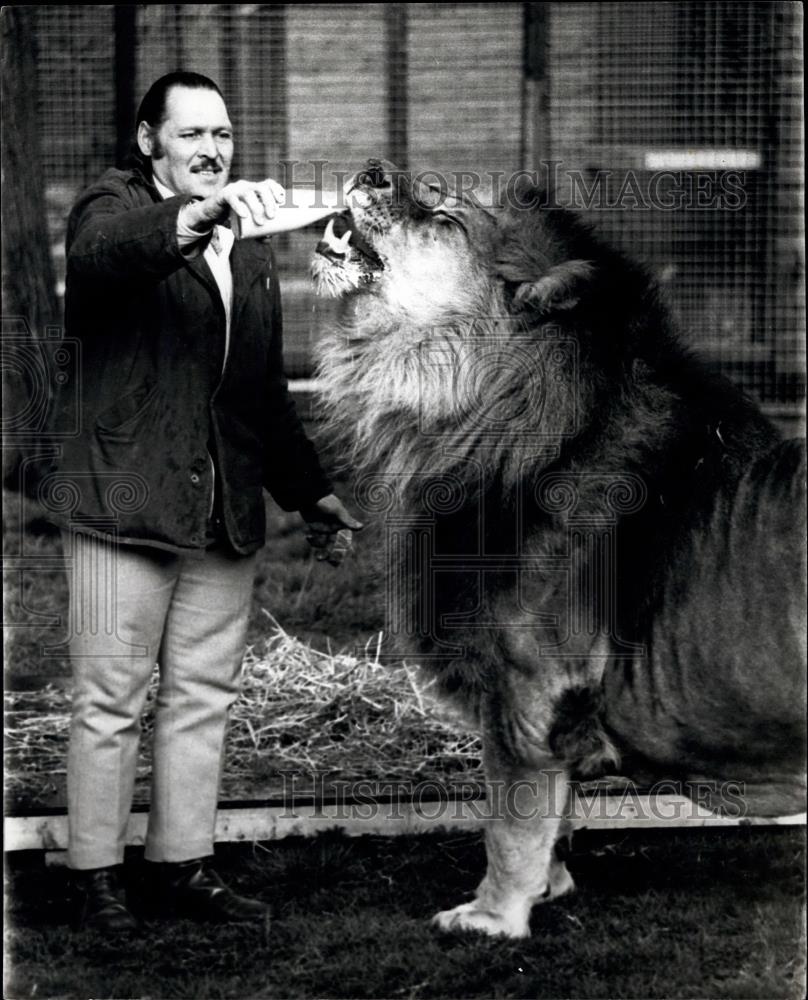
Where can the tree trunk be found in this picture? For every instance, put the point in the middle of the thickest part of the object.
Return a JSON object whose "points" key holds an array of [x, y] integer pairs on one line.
{"points": [[29, 281], [28, 276]]}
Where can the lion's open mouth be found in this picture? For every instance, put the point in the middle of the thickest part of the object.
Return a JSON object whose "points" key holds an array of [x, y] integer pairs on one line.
{"points": [[341, 237], [345, 260]]}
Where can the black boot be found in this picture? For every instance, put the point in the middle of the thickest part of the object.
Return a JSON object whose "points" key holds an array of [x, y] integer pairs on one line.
{"points": [[193, 889], [101, 902]]}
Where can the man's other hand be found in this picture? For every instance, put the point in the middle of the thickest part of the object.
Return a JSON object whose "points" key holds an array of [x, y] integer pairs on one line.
{"points": [[329, 527]]}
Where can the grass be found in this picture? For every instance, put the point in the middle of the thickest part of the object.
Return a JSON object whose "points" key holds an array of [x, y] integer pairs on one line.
{"points": [[687, 914]]}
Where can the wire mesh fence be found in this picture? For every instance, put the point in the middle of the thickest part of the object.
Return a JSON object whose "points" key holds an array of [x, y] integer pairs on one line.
{"points": [[638, 90], [672, 103]]}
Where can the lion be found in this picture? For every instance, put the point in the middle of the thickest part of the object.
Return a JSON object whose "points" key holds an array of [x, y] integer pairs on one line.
{"points": [[600, 541]]}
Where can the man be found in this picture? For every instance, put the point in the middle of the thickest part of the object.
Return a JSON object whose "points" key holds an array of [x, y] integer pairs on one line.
{"points": [[184, 418]]}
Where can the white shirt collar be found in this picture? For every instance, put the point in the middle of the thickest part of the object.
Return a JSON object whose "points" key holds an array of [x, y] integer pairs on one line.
{"points": [[163, 190]]}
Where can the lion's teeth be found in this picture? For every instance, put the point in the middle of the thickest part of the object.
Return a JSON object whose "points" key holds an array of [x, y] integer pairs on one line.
{"points": [[328, 235], [341, 246]]}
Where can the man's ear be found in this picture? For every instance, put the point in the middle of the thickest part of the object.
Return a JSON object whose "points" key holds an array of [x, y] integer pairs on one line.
{"points": [[145, 140], [561, 288]]}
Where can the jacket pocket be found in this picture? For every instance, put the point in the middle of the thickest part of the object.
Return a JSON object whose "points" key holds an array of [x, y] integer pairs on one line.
{"points": [[125, 434], [127, 413]]}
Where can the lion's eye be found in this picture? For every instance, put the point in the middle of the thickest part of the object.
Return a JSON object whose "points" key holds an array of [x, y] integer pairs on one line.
{"points": [[444, 219]]}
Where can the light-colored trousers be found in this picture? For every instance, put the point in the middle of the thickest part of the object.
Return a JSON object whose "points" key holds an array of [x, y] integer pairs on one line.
{"points": [[129, 608]]}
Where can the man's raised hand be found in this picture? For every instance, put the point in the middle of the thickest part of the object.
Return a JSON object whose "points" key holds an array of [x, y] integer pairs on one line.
{"points": [[255, 200]]}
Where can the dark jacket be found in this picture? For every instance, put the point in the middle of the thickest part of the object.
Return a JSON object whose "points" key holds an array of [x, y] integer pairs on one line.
{"points": [[161, 416]]}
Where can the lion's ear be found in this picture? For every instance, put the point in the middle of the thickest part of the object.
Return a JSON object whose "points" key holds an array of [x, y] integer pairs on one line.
{"points": [[561, 288]]}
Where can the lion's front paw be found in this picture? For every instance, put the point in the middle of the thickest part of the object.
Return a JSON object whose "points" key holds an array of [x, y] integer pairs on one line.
{"points": [[472, 917]]}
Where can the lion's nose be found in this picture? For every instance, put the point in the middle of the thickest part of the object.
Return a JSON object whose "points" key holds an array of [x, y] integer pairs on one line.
{"points": [[373, 175], [376, 173]]}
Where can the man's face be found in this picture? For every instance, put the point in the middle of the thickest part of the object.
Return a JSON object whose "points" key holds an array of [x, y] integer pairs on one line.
{"points": [[192, 150]]}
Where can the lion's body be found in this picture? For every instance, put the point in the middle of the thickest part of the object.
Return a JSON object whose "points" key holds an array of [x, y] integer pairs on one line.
{"points": [[602, 543]]}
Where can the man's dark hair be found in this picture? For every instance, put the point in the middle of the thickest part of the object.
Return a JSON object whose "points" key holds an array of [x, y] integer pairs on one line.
{"points": [[153, 106]]}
